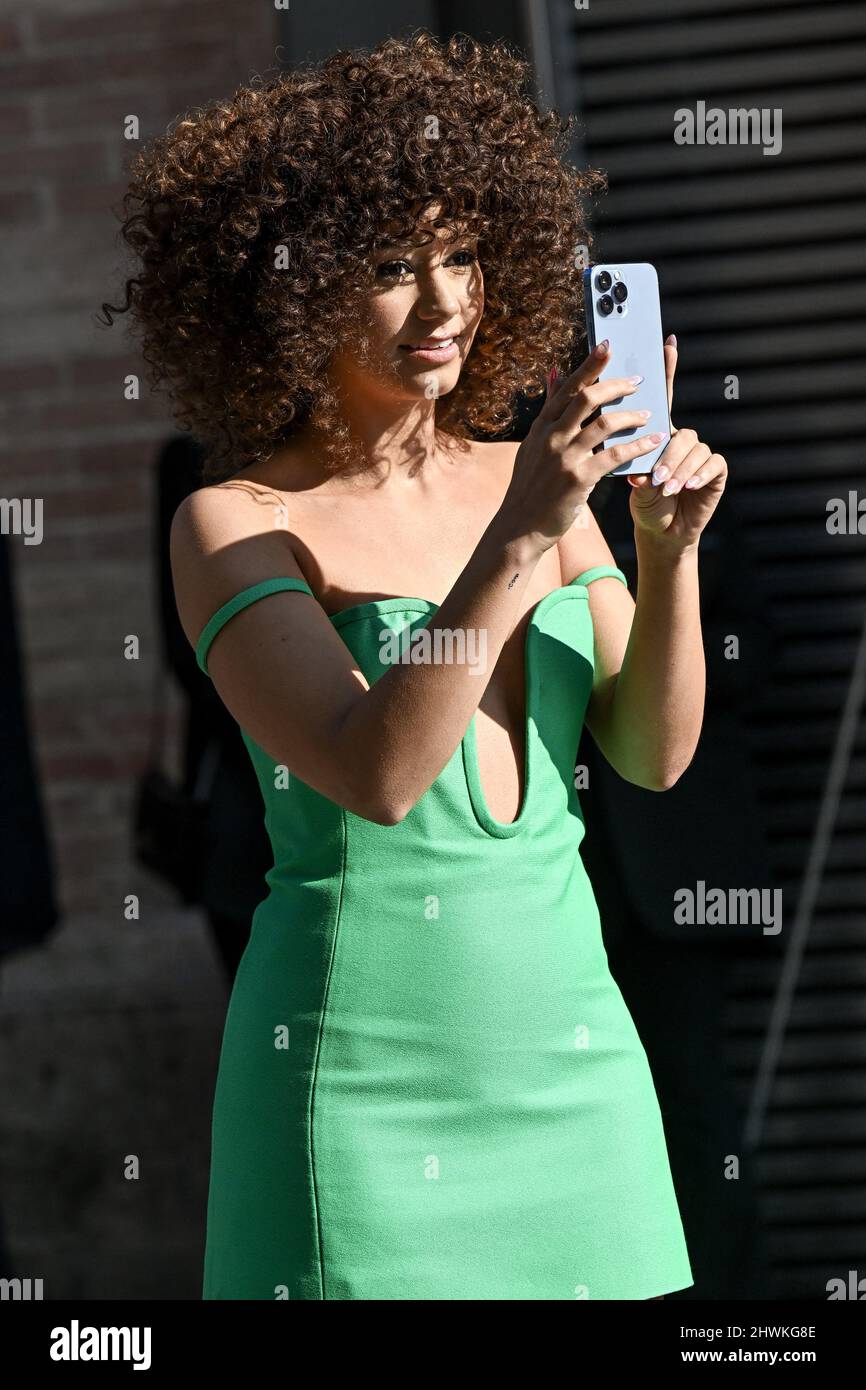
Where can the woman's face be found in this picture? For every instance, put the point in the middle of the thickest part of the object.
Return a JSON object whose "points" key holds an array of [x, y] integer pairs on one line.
{"points": [[422, 314]]}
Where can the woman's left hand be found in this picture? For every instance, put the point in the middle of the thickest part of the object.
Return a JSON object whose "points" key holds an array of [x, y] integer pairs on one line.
{"points": [[681, 505]]}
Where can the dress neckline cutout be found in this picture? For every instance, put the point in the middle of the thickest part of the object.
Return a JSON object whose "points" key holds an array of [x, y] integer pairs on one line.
{"points": [[469, 743]]}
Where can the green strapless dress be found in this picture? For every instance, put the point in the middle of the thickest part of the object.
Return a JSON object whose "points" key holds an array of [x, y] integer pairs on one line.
{"points": [[430, 1086]]}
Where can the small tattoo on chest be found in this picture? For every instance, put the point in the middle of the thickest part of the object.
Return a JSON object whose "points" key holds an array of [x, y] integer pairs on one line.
{"points": [[511, 582]]}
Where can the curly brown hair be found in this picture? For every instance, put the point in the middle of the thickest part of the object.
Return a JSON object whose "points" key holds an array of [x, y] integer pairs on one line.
{"points": [[252, 221]]}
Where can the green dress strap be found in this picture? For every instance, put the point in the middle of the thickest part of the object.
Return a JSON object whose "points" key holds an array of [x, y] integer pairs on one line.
{"points": [[600, 572], [235, 604]]}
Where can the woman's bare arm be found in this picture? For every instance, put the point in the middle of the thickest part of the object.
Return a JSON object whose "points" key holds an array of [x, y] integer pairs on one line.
{"points": [[657, 706], [290, 681], [646, 705]]}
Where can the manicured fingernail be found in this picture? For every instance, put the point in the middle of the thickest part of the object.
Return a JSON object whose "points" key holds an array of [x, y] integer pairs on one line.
{"points": [[644, 414], [603, 347], [660, 473], [671, 339], [693, 482], [672, 485], [656, 438], [635, 380]]}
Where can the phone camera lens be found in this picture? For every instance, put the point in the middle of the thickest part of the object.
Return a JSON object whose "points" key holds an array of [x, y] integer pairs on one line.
{"points": [[605, 304], [620, 292], [603, 280]]}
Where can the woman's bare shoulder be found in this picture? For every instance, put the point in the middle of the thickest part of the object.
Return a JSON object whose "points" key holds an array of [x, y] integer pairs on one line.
{"points": [[496, 458], [220, 512], [225, 537], [496, 450]]}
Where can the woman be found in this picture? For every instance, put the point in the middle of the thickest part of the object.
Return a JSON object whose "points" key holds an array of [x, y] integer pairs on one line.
{"points": [[430, 1086]]}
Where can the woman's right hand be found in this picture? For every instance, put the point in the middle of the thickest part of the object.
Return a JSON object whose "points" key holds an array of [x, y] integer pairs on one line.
{"points": [[555, 469]]}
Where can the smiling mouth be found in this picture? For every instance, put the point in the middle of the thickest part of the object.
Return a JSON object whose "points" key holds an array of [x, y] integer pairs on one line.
{"points": [[432, 344]]}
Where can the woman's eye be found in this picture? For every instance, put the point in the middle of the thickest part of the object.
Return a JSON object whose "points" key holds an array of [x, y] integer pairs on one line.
{"points": [[392, 270], [396, 270]]}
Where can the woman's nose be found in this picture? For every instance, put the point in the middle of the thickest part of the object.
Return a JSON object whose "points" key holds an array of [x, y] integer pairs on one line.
{"points": [[437, 295]]}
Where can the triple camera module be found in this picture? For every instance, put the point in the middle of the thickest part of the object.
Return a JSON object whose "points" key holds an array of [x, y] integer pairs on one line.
{"points": [[608, 302]]}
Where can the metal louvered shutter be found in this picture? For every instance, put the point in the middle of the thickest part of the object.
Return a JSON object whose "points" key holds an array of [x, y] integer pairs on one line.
{"points": [[761, 265]]}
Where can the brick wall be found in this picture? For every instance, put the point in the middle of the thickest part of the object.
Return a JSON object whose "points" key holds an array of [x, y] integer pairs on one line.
{"points": [[108, 1035], [70, 71]]}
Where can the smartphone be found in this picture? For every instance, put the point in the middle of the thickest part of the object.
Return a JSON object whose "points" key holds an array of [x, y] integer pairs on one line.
{"points": [[621, 303]]}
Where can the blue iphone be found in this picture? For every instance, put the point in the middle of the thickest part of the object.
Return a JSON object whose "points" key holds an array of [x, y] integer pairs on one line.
{"points": [[621, 303]]}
